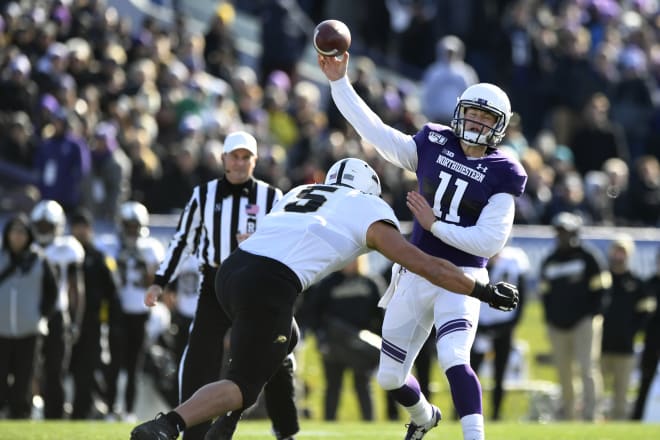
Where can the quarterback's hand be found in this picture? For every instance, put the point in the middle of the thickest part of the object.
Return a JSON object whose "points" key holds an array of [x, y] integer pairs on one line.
{"points": [[334, 68], [151, 296], [420, 209], [502, 296]]}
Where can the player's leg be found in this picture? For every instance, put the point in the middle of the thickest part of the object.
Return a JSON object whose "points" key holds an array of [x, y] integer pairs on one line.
{"points": [[407, 324], [334, 375], [54, 354], [135, 350], [362, 386], [563, 349], [502, 347], [18, 358], [201, 361], [279, 393], [456, 318], [588, 334]]}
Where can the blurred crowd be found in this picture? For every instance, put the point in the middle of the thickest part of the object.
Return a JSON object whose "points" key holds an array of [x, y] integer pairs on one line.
{"points": [[97, 110]]}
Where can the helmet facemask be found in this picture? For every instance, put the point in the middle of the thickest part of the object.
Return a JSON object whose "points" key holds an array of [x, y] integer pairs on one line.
{"points": [[488, 98]]}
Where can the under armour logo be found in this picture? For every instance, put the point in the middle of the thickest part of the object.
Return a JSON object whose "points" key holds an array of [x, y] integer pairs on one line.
{"points": [[280, 339], [481, 168]]}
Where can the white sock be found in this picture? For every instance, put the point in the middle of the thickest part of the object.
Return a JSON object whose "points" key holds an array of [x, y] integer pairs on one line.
{"points": [[473, 427], [421, 412]]}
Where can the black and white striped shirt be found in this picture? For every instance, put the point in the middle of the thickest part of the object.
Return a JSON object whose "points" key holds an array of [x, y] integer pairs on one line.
{"points": [[215, 213]]}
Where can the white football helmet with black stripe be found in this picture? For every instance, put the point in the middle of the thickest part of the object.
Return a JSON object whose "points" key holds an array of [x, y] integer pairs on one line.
{"points": [[354, 173]]}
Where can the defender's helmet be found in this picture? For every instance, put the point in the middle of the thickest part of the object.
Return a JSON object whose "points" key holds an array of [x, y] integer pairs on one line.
{"points": [[354, 173], [489, 98], [48, 221], [133, 220]]}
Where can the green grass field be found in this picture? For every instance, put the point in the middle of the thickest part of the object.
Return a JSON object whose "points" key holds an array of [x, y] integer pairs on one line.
{"points": [[515, 424], [314, 430]]}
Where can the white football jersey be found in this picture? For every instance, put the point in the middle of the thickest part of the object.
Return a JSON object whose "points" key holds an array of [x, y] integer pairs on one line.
{"points": [[62, 253], [329, 224], [508, 266], [135, 267]]}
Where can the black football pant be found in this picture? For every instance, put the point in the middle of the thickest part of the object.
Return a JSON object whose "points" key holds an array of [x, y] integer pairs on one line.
{"points": [[85, 359], [648, 367], [18, 356], [56, 353], [127, 350], [334, 377], [202, 363], [502, 341]]}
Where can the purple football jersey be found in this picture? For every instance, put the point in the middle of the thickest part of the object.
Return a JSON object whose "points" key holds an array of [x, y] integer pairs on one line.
{"points": [[458, 187]]}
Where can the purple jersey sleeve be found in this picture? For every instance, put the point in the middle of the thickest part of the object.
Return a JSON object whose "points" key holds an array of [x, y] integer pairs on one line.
{"points": [[458, 187]]}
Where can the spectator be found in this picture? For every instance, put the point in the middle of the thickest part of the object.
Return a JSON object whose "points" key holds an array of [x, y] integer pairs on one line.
{"points": [[19, 92], [28, 293], [632, 99], [597, 138], [618, 190], [342, 306], [108, 184], [18, 146], [571, 82], [62, 162], [284, 35], [220, 53], [445, 80], [625, 313], [495, 330], [645, 191], [573, 282], [568, 196], [651, 353]]}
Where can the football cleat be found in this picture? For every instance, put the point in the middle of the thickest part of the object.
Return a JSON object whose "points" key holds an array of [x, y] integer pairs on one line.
{"points": [[157, 429], [417, 432]]}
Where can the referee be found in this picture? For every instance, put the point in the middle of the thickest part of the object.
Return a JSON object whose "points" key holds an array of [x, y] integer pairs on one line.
{"points": [[220, 214]]}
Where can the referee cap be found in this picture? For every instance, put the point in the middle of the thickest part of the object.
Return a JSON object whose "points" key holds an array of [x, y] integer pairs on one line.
{"points": [[240, 139]]}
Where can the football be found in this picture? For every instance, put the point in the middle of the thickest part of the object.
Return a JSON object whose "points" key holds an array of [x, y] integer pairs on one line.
{"points": [[331, 38]]}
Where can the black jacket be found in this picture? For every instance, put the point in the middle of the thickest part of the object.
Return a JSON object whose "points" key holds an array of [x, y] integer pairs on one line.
{"points": [[573, 283], [625, 313]]}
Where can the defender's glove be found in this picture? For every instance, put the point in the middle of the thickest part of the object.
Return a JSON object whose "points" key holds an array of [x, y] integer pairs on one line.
{"points": [[502, 296]]}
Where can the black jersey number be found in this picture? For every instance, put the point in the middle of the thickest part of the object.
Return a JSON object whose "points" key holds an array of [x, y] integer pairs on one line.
{"points": [[309, 199]]}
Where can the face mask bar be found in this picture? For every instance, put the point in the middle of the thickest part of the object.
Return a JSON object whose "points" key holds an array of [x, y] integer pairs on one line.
{"points": [[486, 136]]}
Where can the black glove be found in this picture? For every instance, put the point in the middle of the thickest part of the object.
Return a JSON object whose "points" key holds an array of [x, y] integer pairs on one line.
{"points": [[502, 296]]}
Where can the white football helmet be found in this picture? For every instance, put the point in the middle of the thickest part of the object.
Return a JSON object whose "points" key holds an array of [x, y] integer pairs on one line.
{"points": [[354, 173], [489, 98], [133, 220], [48, 221]]}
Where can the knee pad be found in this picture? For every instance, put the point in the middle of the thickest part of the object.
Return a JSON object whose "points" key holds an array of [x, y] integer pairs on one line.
{"points": [[390, 378], [451, 354]]}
